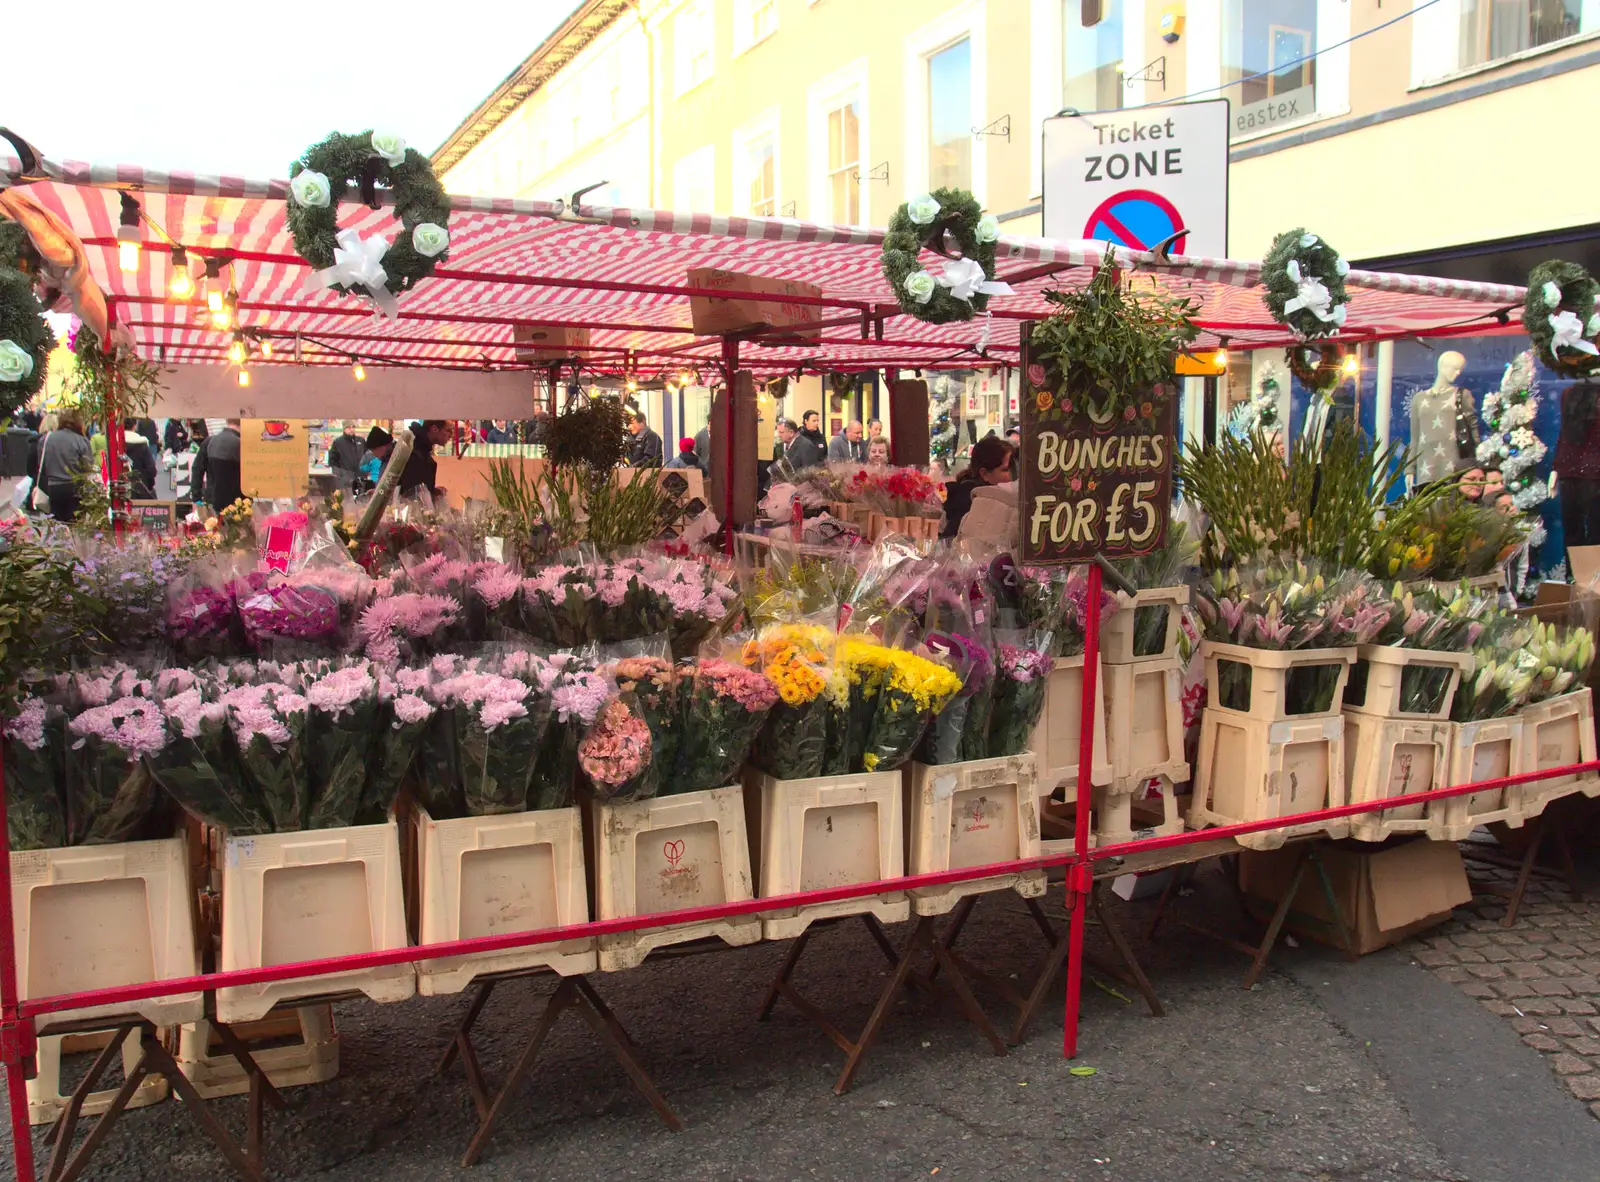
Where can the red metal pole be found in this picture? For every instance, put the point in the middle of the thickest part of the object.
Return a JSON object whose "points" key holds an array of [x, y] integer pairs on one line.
{"points": [[1080, 875], [16, 1032], [730, 368]]}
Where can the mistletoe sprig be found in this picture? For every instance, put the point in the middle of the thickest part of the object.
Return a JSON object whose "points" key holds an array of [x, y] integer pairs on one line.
{"points": [[26, 338], [1304, 281], [1561, 316], [346, 262], [967, 282]]}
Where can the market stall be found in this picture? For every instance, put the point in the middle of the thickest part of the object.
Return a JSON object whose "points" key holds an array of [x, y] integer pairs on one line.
{"points": [[633, 299]]}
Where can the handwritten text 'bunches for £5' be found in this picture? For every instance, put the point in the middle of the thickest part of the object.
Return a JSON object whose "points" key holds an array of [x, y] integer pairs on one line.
{"points": [[1113, 165], [1128, 516]]}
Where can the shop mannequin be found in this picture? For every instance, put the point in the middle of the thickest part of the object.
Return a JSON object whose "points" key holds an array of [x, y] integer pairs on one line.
{"points": [[1444, 424]]}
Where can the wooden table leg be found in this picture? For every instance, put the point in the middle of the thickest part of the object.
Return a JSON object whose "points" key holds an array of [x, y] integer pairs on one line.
{"points": [[464, 1030], [1525, 873], [564, 997], [921, 938], [1042, 922], [163, 1062], [610, 1032], [64, 1162], [1264, 949], [1346, 940], [235, 1046], [784, 973], [1125, 951]]}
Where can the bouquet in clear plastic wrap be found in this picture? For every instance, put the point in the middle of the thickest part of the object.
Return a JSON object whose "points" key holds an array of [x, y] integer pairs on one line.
{"points": [[500, 723], [36, 773], [404, 716], [725, 706], [1021, 679], [110, 792], [797, 661], [268, 720], [409, 625], [199, 767], [202, 616], [655, 684], [578, 691], [341, 722], [273, 610], [615, 755]]}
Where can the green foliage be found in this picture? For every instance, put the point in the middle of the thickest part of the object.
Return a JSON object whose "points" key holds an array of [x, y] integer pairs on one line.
{"points": [[1577, 295], [22, 321], [418, 198], [41, 612], [610, 513], [1313, 259], [1108, 344], [102, 380], [1327, 504], [1444, 537], [959, 214], [590, 433]]}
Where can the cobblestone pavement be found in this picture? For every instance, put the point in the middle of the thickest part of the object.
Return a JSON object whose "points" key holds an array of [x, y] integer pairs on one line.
{"points": [[1542, 975]]}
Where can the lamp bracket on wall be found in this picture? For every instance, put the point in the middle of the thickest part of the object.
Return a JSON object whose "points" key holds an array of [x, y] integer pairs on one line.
{"points": [[1001, 126], [788, 209], [1156, 71], [879, 173]]}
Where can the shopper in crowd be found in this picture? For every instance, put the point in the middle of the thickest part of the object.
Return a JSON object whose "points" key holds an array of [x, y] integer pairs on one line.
{"points": [[344, 454], [799, 449], [811, 428], [151, 433], [847, 446], [422, 470], [874, 430], [498, 432], [216, 468], [646, 451], [65, 457], [685, 457], [379, 447], [1014, 438], [878, 453], [702, 448], [38, 499], [990, 463], [141, 459], [175, 438], [198, 431]]}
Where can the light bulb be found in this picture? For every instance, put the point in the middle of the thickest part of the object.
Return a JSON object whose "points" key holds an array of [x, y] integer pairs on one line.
{"points": [[222, 319], [359, 372], [128, 255], [632, 385], [1352, 363], [686, 377], [266, 348], [181, 287], [244, 376], [214, 299], [236, 352], [1220, 359]]}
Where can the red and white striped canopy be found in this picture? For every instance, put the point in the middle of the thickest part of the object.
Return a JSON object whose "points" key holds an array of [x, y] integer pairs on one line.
{"points": [[623, 273]]}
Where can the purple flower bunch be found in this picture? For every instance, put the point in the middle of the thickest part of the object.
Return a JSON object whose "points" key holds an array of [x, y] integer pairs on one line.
{"points": [[414, 620], [626, 599], [1022, 678], [272, 608]]}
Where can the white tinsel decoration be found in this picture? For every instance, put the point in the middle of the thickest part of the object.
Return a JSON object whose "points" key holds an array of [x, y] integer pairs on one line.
{"points": [[1511, 446]]}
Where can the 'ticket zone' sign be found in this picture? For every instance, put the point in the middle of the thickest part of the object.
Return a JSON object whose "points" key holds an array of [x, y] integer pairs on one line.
{"points": [[1095, 488]]}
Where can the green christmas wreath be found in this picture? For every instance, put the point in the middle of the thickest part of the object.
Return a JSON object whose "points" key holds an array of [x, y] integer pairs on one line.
{"points": [[321, 178], [1319, 367], [1561, 317], [26, 338], [1304, 281], [968, 279]]}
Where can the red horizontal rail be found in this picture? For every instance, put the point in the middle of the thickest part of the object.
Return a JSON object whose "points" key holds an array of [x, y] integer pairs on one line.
{"points": [[123, 994]]}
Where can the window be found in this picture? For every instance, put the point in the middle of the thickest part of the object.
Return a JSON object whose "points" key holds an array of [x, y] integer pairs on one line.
{"points": [[1269, 48], [691, 46], [753, 21], [1493, 29], [761, 169], [693, 181], [844, 164], [950, 117], [1092, 77]]}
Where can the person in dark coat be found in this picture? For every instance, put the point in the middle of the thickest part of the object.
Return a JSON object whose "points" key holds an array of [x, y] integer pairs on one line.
{"points": [[800, 451], [344, 455], [990, 463], [422, 470], [141, 453], [702, 448], [176, 437], [646, 451], [811, 428], [216, 469]]}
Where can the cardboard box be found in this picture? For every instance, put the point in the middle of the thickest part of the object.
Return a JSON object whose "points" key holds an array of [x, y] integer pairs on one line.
{"points": [[1385, 894], [548, 342], [710, 315]]}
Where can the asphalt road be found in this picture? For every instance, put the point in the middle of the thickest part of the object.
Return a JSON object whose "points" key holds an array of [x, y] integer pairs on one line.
{"points": [[1374, 1071]]}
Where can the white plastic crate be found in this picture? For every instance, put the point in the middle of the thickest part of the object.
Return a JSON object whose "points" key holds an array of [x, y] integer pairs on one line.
{"points": [[487, 876], [665, 854], [96, 916], [304, 1050], [1557, 732], [827, 831], [46, 1101], [1144, 721], [974, 813], [1387, 757], [1270, 673], [1250, 769], [1486, 750], [1114, 808], [1375, 681], [289, 897], [1116, 633], [1055, 740]]}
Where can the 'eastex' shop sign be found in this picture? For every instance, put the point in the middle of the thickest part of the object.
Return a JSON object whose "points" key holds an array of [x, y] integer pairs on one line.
{"points": [[1138, 176]]}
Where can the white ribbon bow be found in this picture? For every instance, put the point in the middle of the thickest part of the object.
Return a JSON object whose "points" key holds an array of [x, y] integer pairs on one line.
{"points": [[1313, 296], [358, 260], [1569, 334], [965, 278]]}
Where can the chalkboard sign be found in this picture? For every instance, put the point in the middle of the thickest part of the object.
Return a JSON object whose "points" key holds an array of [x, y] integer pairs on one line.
{"points": [[1094, 487], [155, 516]]}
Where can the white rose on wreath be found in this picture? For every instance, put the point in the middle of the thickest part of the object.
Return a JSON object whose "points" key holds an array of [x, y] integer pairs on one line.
{"points": [[922, 209], [428, 239], [390, 146], [16, 363], [311, 189], [988, 230], [920, 286]]}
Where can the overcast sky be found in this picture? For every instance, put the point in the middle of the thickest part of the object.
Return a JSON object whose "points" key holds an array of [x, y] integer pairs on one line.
{"points": [[243, 88]]}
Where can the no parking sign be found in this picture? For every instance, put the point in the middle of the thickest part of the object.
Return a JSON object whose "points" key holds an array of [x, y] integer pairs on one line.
{"points": [[1137, 177]]}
